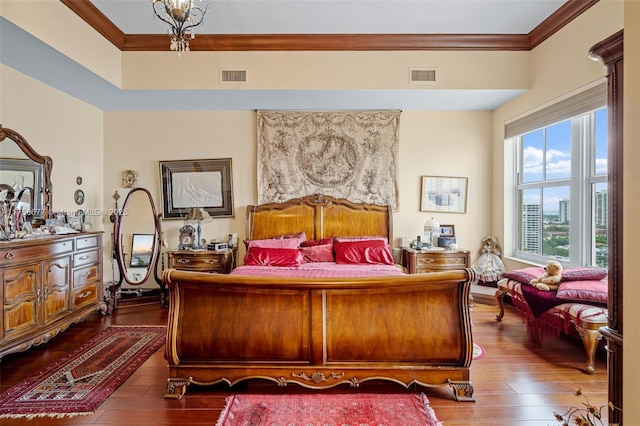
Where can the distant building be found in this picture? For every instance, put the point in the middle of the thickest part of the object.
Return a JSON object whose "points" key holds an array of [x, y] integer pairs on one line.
{"points": [[531, 231], [563, 211], [602, 207]]}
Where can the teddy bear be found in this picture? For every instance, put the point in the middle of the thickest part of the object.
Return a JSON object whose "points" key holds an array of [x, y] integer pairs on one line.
{"points": [[550, 280]]}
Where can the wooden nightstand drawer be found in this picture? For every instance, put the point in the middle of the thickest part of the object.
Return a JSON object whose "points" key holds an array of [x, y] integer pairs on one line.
{"points": [[201, 261], [422, 262]]}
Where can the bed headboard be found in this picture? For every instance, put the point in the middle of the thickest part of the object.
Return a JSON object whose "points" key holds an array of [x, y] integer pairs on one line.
{"points": [[319, 216]]}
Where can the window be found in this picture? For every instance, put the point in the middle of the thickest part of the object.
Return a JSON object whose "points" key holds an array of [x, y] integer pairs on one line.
{"points": [[560, 185]]}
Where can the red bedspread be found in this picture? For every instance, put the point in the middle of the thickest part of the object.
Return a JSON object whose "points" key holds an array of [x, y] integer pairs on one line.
{"points": [[319, 270]]}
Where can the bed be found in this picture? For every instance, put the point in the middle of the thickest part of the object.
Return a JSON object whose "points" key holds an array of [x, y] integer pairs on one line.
{"points": [[580, 301], [322, 330]]}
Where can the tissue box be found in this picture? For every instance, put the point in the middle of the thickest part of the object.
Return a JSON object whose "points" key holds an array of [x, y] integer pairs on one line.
{"points": [[446, 241]]}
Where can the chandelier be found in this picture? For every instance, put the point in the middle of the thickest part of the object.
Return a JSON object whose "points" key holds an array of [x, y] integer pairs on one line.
{"points": [[183, 17]]}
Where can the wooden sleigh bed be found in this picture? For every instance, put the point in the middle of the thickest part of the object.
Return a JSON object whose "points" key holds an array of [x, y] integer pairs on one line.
{"points": [[319, 332]]}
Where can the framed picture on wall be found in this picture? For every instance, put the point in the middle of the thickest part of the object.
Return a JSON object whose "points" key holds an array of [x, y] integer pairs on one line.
{"points": [[443, 194], [196, 183]]}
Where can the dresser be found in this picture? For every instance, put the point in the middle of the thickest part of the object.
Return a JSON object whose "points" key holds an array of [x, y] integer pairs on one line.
{"points": [[221, 262], [47, 285], [425, 261]]}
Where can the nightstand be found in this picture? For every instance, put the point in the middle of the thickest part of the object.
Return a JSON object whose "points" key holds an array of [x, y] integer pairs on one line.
{"points": [[425, 261], [221, 262]]}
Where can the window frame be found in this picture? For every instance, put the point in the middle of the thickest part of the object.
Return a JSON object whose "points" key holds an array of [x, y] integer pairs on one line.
{"points": [[582, 182]]}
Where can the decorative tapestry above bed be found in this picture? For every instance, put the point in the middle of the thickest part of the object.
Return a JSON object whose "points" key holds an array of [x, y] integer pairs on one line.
{"points": [[344, 154]]}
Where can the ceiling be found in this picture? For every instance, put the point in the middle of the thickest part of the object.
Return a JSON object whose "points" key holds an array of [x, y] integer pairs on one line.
{"points": [[246, 25]]}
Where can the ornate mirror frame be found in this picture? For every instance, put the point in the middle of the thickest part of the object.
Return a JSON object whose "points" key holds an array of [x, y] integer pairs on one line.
{"points": [[152, 267], [45, 191]]}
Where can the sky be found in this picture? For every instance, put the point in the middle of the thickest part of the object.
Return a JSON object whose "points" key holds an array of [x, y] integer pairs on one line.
{"points": [[555, 141]]}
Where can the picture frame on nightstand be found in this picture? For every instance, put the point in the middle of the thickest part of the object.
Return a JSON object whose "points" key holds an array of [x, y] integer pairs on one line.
{"points": [[447, 231], [187, 238]]}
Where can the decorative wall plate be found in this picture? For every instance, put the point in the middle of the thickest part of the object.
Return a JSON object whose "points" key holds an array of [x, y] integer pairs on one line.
{"points": [[78, 196], [129, 178]]}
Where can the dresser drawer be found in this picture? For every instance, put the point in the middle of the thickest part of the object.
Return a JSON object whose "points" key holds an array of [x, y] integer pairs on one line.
{"points": [[28, 252], [85, 295], [85, 275], [85, 258], [87, 242]]}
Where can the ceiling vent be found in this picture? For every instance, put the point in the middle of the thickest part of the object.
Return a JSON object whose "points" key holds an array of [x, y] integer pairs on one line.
{"points": [[422, 75], [233, 76]]}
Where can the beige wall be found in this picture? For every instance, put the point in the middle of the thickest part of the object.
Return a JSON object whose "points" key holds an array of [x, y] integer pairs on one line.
{"points": [[60, 126], [431, 143]]}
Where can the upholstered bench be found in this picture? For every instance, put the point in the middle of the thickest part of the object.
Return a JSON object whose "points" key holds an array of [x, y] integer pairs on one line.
{"points": [[586, 318]]}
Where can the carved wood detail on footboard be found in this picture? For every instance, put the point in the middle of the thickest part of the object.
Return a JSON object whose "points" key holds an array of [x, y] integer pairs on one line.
{"points": [[321, 332]]}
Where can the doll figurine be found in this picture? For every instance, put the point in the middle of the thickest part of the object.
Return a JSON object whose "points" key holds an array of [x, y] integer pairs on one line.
{"points": [[489, 266]]}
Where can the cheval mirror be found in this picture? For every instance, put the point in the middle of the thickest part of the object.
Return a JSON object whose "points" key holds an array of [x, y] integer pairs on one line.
{"points": [[137, 235]]}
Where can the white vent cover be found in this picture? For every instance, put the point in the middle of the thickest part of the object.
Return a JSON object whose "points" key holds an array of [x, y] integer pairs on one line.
{"points": [[422, 75], [233, 76]]}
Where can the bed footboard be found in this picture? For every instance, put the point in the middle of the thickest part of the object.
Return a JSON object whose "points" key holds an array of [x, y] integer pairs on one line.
{"points": [[319, 333]]}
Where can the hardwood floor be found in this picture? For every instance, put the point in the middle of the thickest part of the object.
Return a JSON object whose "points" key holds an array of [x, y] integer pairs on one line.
{"points": [[517, 382]]}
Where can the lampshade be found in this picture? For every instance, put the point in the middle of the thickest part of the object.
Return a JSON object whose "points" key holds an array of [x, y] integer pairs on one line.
{"points": [[431, 225], [431, 232], [198, 214]]}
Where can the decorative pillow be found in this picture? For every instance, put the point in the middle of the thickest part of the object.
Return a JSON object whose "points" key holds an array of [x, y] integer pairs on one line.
{"points": [[290, 243], [584, 274], [321, 242], [586, 290], [262, 256], [524, 275], [318, 253], [363, 251], [359, 238], [300, 236]]}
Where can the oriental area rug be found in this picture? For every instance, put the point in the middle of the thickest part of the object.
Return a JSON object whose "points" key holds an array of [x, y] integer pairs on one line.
{"points": [[77, 383], [360, 409]]}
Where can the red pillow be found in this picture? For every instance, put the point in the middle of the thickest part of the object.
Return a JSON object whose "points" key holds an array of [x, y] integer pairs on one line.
{"points": [[323, 241], [590, 291], [360, 238], [299, 236], [524, 275], [318, 253], [584, 274], [282, 243], [261, 256], [363, 251]]}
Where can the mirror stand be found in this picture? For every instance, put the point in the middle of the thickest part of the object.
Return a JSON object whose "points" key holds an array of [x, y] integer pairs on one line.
{"points": [[138, 226]]}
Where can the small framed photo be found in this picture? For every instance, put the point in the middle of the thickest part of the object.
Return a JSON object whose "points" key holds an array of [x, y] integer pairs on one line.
{"points": [[443, 194], [187, 237], [447, 231]]}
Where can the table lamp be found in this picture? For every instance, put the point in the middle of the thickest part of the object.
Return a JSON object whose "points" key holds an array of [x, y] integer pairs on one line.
{"points": [[198, 215], [431, 232]]}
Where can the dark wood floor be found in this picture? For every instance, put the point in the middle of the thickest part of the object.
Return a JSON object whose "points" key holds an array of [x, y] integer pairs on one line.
{"points": [[517, 382]]}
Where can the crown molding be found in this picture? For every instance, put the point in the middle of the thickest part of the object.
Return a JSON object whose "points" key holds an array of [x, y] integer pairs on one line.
{"points": [[332, 42]]}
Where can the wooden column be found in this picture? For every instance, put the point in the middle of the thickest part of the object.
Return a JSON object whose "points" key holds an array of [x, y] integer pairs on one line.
{"points": [[610, 52]]}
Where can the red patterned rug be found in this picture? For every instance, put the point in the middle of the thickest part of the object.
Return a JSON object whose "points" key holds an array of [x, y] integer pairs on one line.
{"points": [[361, 409], [80, 381]]}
